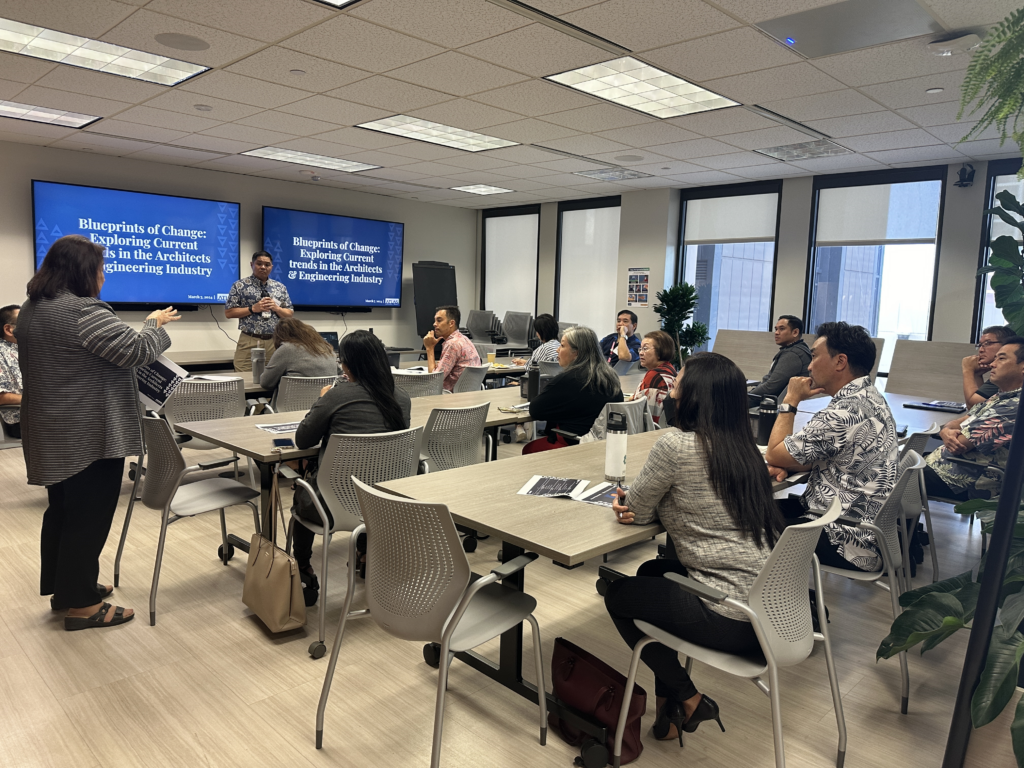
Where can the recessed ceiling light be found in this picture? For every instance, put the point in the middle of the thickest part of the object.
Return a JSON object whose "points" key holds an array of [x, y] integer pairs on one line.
{"points": [[181, 42], [632, 83], [805, 150], [45, 115], [613, 174], [48, 44], [203, 107], [935, 90], [481, 189], [305, 158], [435, 133]]}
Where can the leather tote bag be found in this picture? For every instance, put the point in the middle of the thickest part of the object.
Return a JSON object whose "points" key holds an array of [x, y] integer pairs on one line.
{"points": [[593, 688], [273, 585]]}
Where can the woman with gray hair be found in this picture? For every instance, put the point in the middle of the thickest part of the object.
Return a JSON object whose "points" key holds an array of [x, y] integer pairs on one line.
{"points": [[575, 397]]}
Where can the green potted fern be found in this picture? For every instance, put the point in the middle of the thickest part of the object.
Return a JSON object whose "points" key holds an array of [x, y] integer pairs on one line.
{"points": [[675, 307]]}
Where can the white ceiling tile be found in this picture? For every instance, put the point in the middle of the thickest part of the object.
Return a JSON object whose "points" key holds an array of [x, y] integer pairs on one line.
{"points": [[320, 147], [288, 172], [523, 185], [105, 144], [23, 69], [479, 177], [564, 179], [667, 167], [686, 150], [41, 130], [600, 117], [397, 174], [27, 138], [535, 98], [523, 171], [721, 122], [449, 23], [884, 63], [161, 118], [654, 182], [465, 114], [989, 147], [185, 102], [276, 64], [9, 89], [477, 161], [936, 114], [111, 127], [530, 131], [436, 195], [140, 29], [951, 134], [774, 84], [523, 154], [706, 177], [433, 169], [653, 23], [393, 95], [649, 134], [734, 160], [770, 171], [422, 150], [824, 105], [645, 159], [382, 158], [274, 120], [837, 163], [958, 14], [938, 153], [89, 18], [360, 137], [174, 155], [515, 197], [586, 144], [215, 144], [240, 164], [569, 165], [248, 134], [455, 73], [537, 50], [767, 137], [856, 125], [246, 90], [762, 10], [335, 111], [91, 83], [915, 137], [73, 102], [729, 53], [268, 22], [440, 182], [348, 40], [911, 92]]}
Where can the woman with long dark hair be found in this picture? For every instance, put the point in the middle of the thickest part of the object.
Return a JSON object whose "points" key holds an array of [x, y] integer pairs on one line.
{"points": [[709, 486], [368, 402], [80, 419]]}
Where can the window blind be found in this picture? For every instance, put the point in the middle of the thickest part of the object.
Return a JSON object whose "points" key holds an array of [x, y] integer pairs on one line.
{"points": [[743, 219], [589, 267], [510, 279]]}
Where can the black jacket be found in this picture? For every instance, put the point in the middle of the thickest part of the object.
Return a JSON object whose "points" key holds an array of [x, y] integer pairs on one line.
{"points": [[567, 404], [790, 361]]}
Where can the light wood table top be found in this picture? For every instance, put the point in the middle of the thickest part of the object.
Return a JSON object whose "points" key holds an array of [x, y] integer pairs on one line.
{"points": [[251, 388], [915, 419], [503, 398], [201, 357], [507, 370]]}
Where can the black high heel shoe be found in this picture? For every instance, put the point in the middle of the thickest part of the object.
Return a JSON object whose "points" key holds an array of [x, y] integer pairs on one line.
{"points": [[670, 713], [707, 709]]}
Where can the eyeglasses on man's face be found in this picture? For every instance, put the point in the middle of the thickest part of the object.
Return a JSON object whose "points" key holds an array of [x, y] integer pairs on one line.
{"points": [[985, 344]]}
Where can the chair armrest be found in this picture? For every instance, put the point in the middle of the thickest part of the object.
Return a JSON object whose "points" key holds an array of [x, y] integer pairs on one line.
{"points": [[696, 588], [977, 465], [214, 464], [569, 436], [853, 522], [514, 565], [287, 472]]}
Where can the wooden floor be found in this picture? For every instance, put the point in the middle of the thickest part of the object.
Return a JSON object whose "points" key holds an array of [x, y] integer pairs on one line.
{"points": [[207, 686]]}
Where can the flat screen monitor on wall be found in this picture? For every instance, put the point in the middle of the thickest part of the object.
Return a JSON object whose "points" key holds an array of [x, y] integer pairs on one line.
{"points": [[161, 249], [335, 262]]}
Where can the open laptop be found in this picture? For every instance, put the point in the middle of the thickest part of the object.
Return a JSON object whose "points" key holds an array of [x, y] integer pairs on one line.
{"points": [[331, 337]]}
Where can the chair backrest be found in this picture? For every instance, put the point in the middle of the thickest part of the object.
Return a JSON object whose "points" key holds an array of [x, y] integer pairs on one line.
{"points": [[298, 393], [416, 571], [916, 441], [373, 458], [420, 384], [472, 378], [517, 327], [453, 437], [482, 350], [638, 419], [779, 593], [163, 465], [563, 327], [930, 370], [879, 349], [752, 351], [479, 322], [548, 368], [205, 400], [889, 515], [622, 367]]}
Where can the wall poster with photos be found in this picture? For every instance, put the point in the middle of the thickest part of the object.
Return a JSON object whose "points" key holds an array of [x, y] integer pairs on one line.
{"points": [[637, 292]]}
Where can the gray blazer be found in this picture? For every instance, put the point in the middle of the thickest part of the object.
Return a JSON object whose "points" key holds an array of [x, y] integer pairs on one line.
{"points": [[80, 402]]}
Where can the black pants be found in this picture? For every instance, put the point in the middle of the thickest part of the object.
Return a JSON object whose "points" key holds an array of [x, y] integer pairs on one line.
{"points": [[13, 430], [650, 597], [302, 537], [936, 486], [794, 513], [75, 528]]}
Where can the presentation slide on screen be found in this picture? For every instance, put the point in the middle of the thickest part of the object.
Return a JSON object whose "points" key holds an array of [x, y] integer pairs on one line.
{"points": [[335, 261], [160, 249]]}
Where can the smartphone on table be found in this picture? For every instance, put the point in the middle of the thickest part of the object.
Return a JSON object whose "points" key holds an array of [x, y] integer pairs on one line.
{"points": [[284, 442]]}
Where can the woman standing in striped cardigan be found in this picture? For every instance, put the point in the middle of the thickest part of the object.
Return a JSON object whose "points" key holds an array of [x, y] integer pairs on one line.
{"points": [[80, 419]]}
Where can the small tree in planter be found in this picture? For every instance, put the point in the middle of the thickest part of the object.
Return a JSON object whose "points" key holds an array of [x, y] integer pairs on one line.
{"points": [[675, 309]]}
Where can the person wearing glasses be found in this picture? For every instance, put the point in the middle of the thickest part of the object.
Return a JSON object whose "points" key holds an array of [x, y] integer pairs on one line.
{"points": [[258, 303], [656, 352], [977, 388]]}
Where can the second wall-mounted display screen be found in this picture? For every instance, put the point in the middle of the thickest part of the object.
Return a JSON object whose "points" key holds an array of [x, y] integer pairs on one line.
{"points": [[335, 261]]}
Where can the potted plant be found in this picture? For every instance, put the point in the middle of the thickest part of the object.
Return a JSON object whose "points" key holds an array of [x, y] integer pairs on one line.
{"points": [[676, 306]]}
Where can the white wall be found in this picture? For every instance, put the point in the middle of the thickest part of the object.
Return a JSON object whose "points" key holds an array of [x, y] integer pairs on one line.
{"points": [[432, 232]]}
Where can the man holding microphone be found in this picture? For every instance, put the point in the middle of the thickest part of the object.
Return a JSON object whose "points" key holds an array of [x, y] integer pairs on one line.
{"points": [[258, 303]]}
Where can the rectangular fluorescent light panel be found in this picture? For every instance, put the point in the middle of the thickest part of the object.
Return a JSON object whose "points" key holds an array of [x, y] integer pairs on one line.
{"points": [[435, 133], [305, 158], [48, 44], [45, 115], [613, 174], [805, 150], [482, 189], [634, 84]]}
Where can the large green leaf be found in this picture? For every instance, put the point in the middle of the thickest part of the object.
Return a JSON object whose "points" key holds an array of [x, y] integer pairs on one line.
{"points": [[1017, 733], [933, 618], [1005, 216], [975, 505], [998, 679], [1012, 612], [1007, 248], [1009, 202], [952, 584]]}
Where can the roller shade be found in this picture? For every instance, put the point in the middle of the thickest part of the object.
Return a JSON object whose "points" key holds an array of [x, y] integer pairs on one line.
{"points": [[589, 262], [743, 219], [511, 264], [879, 214]]}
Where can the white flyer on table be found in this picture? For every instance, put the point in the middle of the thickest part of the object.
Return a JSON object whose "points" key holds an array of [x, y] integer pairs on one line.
{"points": [[279, 429], [553, 487]]}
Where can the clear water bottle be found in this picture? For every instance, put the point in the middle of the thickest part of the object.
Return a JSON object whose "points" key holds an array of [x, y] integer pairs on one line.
{"points": [[265, 314], [767, 412], [615, 448]]}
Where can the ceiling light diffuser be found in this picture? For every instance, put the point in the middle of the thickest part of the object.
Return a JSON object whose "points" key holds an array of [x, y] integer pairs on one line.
{"points": [[805, 150], [45, 115], [482, 189], [48, 44], [305, 158], [632, 83], [613, 174], [435, 133]]}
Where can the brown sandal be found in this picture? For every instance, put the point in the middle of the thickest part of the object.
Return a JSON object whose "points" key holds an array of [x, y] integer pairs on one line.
{"points": [[98, 619]]}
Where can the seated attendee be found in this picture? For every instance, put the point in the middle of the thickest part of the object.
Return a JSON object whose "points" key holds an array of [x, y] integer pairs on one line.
{"points": [[791, 360], [622, 347], [298, 351], [656, 353], [575, 397], [367, 402], [975, 367], [10, 371], [707, 486], [546, 329], [982, 435], [849, 446], [457, 352]]}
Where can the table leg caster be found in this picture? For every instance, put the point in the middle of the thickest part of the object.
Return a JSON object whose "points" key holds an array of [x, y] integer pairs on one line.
{"points": [[432, 655], [317, 650], [220, 553], [592, 754]]}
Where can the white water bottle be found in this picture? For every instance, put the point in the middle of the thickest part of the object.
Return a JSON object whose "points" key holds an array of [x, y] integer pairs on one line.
{"points": [[615, 449]]}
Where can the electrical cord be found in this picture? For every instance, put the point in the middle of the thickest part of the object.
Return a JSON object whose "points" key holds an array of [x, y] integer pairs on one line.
{"points": [[210, 307]]}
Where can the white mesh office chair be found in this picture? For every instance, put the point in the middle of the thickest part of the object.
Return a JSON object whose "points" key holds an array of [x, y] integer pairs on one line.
{"points": [[638, 419], [419, 587], [373, 458], [163, 490], [563, 327], [780, 614], [517, 328], [472, 379], [483, 349], [549, 368], [420, 384], [298, 393], [915, 499], [480, 322]]}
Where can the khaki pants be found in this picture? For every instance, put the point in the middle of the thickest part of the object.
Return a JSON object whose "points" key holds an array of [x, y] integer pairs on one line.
{"points": [[243, 357]]}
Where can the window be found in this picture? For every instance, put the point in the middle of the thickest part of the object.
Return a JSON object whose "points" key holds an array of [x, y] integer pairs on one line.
{"points": [[1002, 176], [510, 260], [588, 263], [729, 256], [874, 255]]}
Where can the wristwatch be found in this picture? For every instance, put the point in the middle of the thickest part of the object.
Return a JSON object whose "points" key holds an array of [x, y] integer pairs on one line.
{"points": [[787, 408], [250, 310]]}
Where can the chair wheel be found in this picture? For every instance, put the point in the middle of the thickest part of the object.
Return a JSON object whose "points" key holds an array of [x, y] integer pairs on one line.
{"points": [[432, 655], [220, 553], [317, 650], [469, 544], [131, 475], [592, 754], [602, 587], [506, 438]]}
